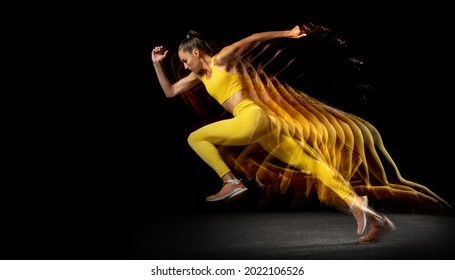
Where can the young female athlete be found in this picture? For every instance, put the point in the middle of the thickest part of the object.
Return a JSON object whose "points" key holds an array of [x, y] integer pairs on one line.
{"points": [[224, 76]]}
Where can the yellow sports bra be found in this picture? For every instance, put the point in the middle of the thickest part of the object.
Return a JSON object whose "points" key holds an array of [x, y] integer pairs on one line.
{"points": [[222, 84]]}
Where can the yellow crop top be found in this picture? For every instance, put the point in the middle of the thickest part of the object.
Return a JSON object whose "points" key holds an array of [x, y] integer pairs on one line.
{"points": [[222, 84]]}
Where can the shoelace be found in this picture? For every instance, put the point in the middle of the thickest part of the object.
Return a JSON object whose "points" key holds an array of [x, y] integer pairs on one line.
{"points": [[234, 182]]}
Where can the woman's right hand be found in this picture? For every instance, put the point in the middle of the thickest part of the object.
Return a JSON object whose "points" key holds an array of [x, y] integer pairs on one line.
{"points": [[297, 32], [158, 54]]}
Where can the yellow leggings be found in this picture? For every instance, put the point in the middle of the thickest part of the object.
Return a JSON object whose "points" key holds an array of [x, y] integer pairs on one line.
{"points": [[252, 124]]}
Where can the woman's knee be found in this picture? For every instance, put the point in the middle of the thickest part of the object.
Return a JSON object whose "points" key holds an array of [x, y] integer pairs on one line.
{"points": [[192, 138], [196, 136]]}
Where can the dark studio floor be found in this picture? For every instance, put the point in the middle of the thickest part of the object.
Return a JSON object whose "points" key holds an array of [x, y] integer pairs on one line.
{"points": [[321, 234]]}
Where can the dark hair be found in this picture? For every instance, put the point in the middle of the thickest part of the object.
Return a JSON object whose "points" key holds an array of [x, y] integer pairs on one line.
{"points": [[194, 40]]}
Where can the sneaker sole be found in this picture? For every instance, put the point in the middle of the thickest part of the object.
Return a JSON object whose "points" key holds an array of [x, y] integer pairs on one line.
{"points": [[230, 195], [385, 232], [237, 194]]}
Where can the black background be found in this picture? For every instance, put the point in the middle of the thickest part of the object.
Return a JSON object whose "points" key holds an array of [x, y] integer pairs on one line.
{"points": [[405, 49], [99, 139]]}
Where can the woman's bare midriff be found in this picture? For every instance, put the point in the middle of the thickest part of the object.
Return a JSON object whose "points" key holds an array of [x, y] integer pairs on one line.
{"points": [[232, 101]]}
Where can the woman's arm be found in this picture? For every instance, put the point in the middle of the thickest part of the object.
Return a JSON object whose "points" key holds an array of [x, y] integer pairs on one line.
{"points": [[170, 89], [245, 44]]}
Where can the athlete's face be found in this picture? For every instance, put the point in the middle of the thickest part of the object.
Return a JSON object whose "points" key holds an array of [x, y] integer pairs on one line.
{"points": [[190, 60]]}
